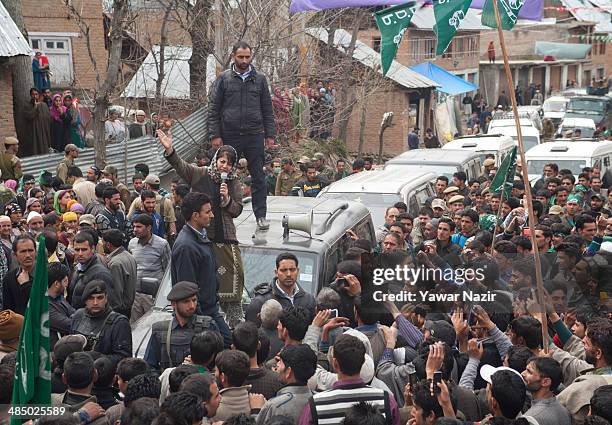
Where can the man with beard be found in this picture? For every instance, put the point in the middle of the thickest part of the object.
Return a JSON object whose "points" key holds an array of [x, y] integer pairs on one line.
{"points": [[148, 199], [542, 377], [137, 183], [35, 224], [597, 202], [170, 339], [107, 331], [88, 268], [85, 190], [111, 217], [111, 174], [93, 174], [241, 115]]}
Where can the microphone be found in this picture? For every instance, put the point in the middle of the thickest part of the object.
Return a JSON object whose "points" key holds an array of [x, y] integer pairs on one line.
{"points": [[223, 177]]}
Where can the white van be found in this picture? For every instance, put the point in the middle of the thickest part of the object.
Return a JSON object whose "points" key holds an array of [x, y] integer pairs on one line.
{"points": [[380, 189], [585, 125], [554, 109], [441, 162], [570, 155], [531, 136], [484, 144]]}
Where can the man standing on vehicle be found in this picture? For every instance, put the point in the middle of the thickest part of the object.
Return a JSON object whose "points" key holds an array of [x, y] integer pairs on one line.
{"points": [[241, 115]]}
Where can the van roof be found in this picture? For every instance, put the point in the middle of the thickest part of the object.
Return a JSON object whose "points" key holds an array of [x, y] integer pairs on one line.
{"points": [[557, 99], [380, 181], [434, 156], [551, 150], [578, 122], [331, 219], [511, 131], [509, 122], [489, 142]]}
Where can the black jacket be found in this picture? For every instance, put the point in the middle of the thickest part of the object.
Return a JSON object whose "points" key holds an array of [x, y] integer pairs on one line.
{"points": [[240, 107], [109, 330], [15, 296], [268, 291], [93, 270], [193, 260]]}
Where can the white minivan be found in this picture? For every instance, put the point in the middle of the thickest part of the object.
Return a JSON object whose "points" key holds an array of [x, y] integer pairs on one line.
{"points": [[570, 155], [531, 136], [380, 189], [554, 109], [484, 144]]}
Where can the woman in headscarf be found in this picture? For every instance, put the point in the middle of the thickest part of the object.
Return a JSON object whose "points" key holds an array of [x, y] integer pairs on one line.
{"points": [[280, 104], [33, 204], [220, 183], [61, 200], [59, 124], [73, 116]]}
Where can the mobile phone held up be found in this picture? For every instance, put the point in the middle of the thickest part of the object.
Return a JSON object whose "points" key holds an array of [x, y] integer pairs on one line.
{"points": [[437, 379], [333, 313]]}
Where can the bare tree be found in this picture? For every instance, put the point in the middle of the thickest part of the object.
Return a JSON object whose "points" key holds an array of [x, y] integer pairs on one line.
{"points": [[106, 79], [202, 45], [21, 72]]}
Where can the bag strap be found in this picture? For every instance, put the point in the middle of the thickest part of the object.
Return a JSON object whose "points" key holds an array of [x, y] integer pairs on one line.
{"points": [[168, 336], [109, 319]]}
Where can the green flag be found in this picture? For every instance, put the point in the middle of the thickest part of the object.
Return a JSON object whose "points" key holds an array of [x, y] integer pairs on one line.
{"points": [[508, 12], [33, 368], [504, 178], [449, 14], [392, 23]]}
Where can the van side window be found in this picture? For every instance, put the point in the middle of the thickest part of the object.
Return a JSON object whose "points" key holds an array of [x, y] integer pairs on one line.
{"points": [[364, 229], [606, 162], [413, 205]]}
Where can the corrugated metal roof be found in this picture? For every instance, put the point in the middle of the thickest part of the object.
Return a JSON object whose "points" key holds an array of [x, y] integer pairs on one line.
{"points": [[12, 42], [584, 11], [371, 58], [188, 134]]}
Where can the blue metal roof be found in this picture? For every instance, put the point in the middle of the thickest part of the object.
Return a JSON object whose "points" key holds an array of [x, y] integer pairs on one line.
{"points": [[449, 83]]}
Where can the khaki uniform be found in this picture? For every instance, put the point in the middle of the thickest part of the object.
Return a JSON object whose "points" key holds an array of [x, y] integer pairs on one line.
{"points": [[62, 168], [10, 165], [285, 182]]}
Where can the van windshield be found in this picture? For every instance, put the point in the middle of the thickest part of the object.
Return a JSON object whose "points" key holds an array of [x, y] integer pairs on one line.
{"points": [[376, 203], [438, 170], [528, 141], [554, 106], [259, 265], [587, 105], [536, 166]]}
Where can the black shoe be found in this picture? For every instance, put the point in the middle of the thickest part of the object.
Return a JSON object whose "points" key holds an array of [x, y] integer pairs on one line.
{"points": [[263, 224]]}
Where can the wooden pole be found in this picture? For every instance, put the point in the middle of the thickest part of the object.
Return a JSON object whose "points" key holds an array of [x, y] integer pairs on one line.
{"points": [[529, 206]]}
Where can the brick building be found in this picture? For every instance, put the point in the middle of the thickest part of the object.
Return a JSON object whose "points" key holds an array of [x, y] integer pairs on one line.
{"points": [[405, 93], [52, 30]]}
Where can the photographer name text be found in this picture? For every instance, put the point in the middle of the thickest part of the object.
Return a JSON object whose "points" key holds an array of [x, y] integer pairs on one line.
{"points": [[427, 296]]}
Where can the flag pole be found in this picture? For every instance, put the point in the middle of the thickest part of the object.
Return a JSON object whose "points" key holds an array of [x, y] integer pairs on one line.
{"points": [[529, 199]]}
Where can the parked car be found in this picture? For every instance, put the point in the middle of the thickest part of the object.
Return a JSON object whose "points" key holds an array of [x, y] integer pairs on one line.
{"points": [[585, 125], [441, 162], [483, 145], [319, 244], [554, 109], [380, 189], [597, 108]]}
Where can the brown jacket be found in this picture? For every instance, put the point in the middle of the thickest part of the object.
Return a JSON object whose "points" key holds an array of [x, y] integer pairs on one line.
{"points": [[194, 176]]}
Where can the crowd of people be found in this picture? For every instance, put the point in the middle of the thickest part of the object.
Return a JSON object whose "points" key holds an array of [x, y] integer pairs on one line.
{"points": [[464, 345]]}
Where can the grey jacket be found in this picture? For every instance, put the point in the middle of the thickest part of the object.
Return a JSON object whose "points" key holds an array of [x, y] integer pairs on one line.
{"points": [[289, 401], [94, 269], [122, 267], [240, 107]]}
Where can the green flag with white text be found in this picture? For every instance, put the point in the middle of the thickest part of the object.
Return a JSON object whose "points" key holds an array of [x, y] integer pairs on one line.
{"points": [[504, 177], [448, 14], [33, 367], [508, 12], [392, 23]]}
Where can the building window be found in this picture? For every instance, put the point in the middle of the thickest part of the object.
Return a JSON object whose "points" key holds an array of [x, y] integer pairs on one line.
{"points": [[57, 48], [602, 47], [376, 43]]}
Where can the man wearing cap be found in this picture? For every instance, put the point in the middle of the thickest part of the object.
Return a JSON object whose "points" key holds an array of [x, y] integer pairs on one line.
{"points": [[10, 165], [297, 363], [319, 161], [139, 128], [597, 202], [108, 332], [35, 224], [287, 178], [241, 115], [10, 328], [170, 339], [71, 152], [439, 208], [456, 203], [163, 205], [488, 165], [114, 129], [110, 173], [572, 209]]}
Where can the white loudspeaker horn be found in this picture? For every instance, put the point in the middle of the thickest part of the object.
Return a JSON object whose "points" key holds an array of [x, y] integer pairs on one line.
{"points": [[301, 222]]}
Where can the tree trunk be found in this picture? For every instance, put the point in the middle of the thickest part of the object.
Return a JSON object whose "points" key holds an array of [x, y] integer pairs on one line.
{"points": [[202, 46], [364, 114], [103, 95], [21, 72], [163, 42]]}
